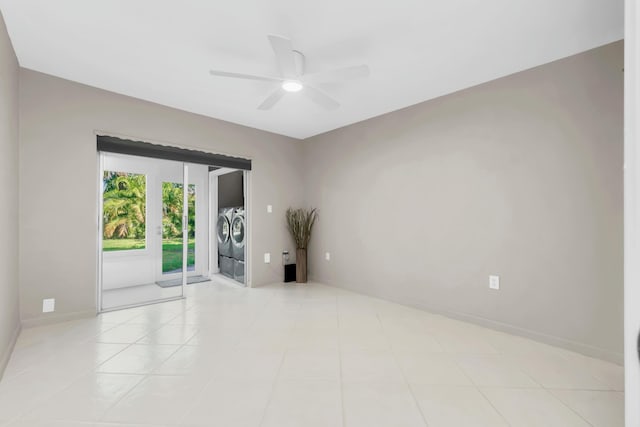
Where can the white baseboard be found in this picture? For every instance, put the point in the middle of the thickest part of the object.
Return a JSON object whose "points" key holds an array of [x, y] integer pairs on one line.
{"points": [[585, 349], [4, 358], [57, 318]]}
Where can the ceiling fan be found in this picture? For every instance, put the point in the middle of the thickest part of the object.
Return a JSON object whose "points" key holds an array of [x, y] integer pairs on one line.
{"points": [[293, 78]]}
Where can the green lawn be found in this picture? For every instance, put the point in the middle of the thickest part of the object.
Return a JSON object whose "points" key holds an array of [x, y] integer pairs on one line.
{"points": [[171, 250], [172, 254], [122, 244]]}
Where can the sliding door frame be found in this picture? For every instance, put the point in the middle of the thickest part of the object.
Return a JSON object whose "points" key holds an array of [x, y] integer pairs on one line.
{"points": [[213, 224], [99, 218], [212, 221], [185, 226], [100, 230], [248, 224]]}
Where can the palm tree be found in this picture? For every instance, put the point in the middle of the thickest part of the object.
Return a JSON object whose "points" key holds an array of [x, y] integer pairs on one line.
{"points": [[172, 210], [124, 208]]}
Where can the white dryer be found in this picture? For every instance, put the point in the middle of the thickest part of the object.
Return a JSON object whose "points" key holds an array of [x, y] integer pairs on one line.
{"points": [[238, 234]]}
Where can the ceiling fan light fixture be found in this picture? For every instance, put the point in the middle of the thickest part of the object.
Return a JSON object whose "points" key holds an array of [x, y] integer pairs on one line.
{"points": [[292, 86]]}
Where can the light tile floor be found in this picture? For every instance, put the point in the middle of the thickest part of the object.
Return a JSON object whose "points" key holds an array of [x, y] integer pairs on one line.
{"points": [[297, 355]]}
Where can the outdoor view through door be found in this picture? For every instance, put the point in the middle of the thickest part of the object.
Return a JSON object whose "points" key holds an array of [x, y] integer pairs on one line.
{"points": [[124, 218], [124, 211], [142, 229], [172, 234]]}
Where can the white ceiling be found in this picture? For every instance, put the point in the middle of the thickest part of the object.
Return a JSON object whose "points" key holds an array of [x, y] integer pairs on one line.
{"points": [[161, 50]]}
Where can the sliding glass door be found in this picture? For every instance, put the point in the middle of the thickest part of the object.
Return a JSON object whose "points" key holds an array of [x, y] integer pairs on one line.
{"points": [[147, 230]]}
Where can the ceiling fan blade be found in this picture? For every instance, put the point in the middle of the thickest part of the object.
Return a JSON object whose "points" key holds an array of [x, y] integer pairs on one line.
{"points": [[339, 74], [245, 76], [272, 99], [321, 98], [283, 49]]}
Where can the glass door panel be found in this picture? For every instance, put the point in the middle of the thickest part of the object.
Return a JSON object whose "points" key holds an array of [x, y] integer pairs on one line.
{"points": [[132, 230], [172, 228]]}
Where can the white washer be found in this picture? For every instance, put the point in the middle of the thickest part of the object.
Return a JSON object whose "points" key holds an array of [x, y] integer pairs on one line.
{"points": [[227, 265], [238, 271], [238, 234]]}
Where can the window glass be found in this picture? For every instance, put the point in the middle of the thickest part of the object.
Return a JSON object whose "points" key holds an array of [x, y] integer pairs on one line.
{"points": [[124, 211]]}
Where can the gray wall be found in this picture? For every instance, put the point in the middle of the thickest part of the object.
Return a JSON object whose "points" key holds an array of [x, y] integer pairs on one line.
{"points": [[58, 178], [9, 315], [230, 192], [520, 177]]}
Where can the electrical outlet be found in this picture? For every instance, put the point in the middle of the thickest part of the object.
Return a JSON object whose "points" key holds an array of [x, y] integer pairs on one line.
{"points": [[327, 256], [494, 282], [267, 258], [48, 305], [269, 208]]}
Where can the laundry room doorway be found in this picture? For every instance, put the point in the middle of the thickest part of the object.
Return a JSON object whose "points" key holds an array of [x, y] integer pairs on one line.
{"points": [[229, 228]]}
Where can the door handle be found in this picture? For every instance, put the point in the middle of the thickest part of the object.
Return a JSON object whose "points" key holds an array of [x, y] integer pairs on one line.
{"points": [[638, 345]]}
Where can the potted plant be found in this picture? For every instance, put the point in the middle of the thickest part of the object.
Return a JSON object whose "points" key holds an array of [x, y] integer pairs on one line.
{"points": [[300, 223]]}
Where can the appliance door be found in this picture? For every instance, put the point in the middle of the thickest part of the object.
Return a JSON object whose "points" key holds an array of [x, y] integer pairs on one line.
{"points": [[224, 234], [237, 237]]}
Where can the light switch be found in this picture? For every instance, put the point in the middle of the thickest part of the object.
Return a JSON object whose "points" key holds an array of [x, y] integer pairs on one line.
{"points": [[269, 208], [267, 258], [327, 256]]}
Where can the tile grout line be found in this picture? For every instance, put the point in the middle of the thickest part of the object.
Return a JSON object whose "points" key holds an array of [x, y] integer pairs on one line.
{"points": [[43, 398], [479, 389], [406, 381], [541, 387], [180, 421], [65, 387], [201, 395], [273, 386], [90, 370], [113, 404], [549, 391], [486, 398], [144, 376]]}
